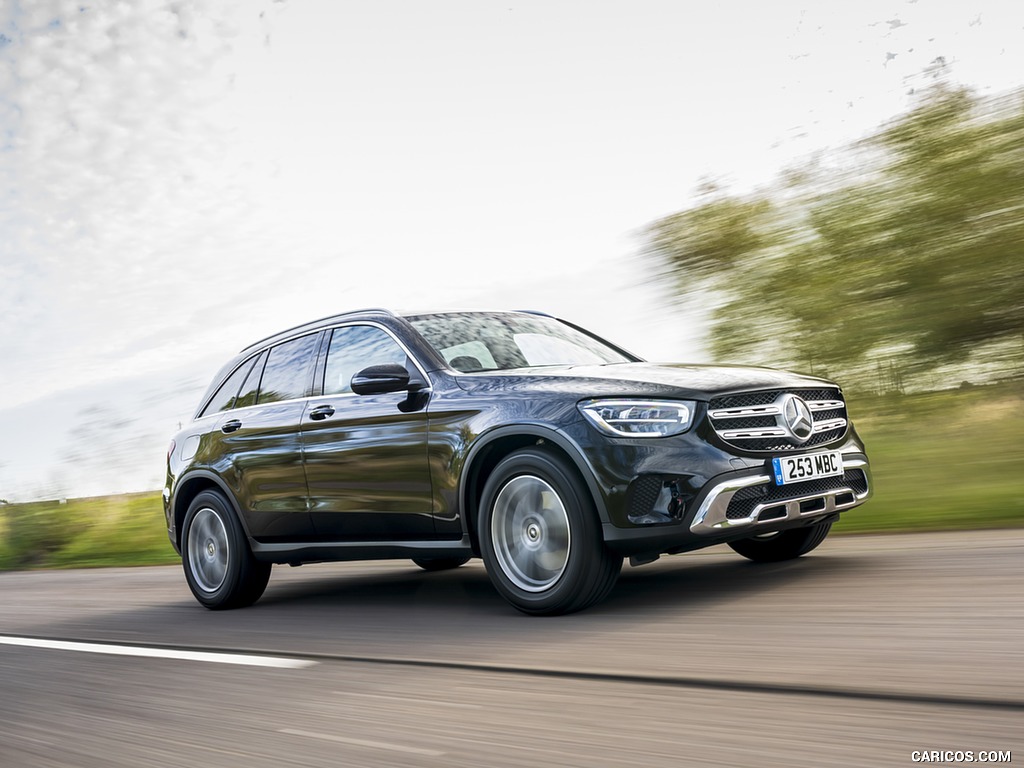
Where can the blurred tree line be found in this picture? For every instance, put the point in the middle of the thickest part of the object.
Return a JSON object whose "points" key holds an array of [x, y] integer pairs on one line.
{"points": [[897, 262]]}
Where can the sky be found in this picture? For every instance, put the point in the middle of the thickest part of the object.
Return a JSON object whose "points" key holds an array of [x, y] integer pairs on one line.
{"points": [[179, 179]]}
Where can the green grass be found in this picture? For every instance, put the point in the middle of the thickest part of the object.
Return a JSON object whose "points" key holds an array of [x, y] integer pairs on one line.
{"points": [[102, 531], [941, 461]]}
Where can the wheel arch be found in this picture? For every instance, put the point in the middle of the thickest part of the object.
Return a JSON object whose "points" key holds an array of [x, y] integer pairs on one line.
{"points": [[493, 446], [191, 486]]}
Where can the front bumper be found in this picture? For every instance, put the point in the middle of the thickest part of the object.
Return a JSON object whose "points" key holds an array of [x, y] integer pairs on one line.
{"points": [[740, 504], [713, 514]]}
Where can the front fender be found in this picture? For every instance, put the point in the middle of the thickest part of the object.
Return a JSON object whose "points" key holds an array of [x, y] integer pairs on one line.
{"points": [[510, 437]]}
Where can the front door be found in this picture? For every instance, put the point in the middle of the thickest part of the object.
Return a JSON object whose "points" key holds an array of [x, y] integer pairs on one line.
{"points": [[366, 455]]}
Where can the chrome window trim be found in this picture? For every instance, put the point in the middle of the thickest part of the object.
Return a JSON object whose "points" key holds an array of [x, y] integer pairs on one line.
{"points": [[267, 405]]}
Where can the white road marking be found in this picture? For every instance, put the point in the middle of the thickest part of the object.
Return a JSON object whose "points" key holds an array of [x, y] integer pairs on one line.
{"points": [[362, 742], [158, 653]]}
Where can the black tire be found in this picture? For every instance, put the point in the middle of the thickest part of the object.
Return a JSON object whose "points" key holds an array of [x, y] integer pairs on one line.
{"points": [[540, 536], [219, 566], [784, 545], [439, 563]]}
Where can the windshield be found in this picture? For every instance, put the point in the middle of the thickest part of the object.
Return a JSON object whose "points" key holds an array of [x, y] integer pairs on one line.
{"points": [[497, 341]]}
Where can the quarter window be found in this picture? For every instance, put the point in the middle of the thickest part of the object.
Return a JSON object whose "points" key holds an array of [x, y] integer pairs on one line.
{"points": [[225, 395], [286, 374], [353, 348], [251, 387]]}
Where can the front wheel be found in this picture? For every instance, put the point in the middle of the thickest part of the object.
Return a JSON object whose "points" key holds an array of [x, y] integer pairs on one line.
{"points": [[784, 545], [219, 566], [540, 536]]}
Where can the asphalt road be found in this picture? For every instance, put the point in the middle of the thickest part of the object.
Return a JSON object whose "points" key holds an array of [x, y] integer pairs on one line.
{"points": [[862, 653]]}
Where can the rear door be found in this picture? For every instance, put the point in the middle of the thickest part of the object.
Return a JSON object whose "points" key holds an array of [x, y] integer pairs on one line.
{"points": [[260, 444], [366, 455]]}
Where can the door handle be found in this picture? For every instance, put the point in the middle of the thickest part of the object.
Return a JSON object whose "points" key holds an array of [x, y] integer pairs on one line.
{"points": [[230, 426], [321, 412]]}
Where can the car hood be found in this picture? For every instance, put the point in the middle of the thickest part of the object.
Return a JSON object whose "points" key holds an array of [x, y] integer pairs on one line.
{"points": [[691, 382]]}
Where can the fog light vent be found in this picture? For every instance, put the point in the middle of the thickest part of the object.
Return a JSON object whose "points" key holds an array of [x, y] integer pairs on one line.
{"points": [[654, 499]]}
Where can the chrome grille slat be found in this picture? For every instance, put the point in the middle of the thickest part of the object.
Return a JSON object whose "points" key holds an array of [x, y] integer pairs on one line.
{"points": [[750, 434], [828, 426], [825, 405], [738, 413]]}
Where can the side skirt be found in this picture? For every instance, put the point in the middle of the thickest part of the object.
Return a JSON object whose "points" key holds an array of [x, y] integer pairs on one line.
{"points": [[298, 553]]}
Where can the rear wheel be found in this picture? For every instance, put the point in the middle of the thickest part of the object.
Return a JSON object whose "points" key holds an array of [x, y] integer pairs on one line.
{"points": [[440, 563], [219, 566], [540, 536], [783, 545]]}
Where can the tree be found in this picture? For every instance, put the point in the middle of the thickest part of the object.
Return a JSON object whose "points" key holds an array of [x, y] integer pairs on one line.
{"points": [[909, 260]]}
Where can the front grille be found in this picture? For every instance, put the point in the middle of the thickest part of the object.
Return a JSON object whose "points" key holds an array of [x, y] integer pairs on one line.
{"points": [[756, 422], [745, 499]]}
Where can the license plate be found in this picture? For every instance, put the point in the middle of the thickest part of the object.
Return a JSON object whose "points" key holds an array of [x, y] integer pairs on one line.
{"points": [[797, 469]]}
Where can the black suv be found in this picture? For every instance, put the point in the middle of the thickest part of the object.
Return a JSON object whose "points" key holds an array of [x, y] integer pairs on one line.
{"points": [[511, 436]]}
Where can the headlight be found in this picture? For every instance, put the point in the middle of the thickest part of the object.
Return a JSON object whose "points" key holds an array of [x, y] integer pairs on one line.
{"points": [[639, 418]]}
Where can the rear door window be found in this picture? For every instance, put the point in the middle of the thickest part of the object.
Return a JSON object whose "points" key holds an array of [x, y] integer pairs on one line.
{"points": [[286, 375]]}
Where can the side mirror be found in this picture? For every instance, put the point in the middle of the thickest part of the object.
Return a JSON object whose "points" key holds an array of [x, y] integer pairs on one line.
{"points": [[381, 379]]}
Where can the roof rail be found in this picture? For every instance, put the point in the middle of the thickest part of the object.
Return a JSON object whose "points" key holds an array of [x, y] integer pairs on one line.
{"points": [[313, 324]]}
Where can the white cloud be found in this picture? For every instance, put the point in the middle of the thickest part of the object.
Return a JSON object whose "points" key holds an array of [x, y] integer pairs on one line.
{"points": [[179, 178], [108, 155]]}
